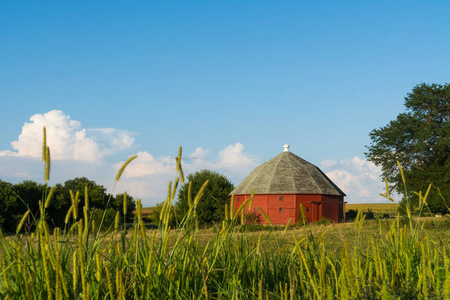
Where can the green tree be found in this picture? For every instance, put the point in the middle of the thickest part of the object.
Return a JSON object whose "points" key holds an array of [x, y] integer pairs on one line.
{"points": [[420, 140], [211, 208], [16, 199], [98, 200], [8, 206], [98, 197], [26, 195], [30, 192]]}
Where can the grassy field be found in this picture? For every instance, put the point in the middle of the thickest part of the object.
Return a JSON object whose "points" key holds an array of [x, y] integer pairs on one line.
{"points": [[392, 258], [334, 236]]}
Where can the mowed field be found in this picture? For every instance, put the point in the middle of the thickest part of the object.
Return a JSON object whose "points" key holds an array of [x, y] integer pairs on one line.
{"points": [[359, 206], [375, 207], [147, 210]]}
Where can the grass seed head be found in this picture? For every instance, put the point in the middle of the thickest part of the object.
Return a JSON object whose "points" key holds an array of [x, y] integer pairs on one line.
{"points": [[125, 204], [47, 165], [44, 146], [401, 172], [49, 197], [22, 221], [124, 166]]}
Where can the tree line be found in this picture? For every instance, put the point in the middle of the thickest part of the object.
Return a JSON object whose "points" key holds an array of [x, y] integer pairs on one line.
{"points": [[16, 199]]}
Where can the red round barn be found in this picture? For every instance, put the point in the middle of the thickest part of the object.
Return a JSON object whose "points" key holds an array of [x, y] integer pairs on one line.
{"points": [[283, 183]]}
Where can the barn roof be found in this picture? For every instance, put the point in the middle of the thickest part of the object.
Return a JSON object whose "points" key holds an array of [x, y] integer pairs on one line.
{"points": [[287, 173]]}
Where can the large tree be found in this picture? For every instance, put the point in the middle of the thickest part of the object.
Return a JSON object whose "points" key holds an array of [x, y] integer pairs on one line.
{"points": [[420, 140], [98, 197], [211, 208], [30, 192], [9, 205]]}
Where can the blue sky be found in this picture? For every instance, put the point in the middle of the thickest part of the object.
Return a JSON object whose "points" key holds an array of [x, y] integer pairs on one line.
{"points": [[230, 81]]}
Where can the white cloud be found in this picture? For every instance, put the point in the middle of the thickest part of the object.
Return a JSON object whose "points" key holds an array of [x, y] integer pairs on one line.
{"points": [[358, 178], [147, 177], [18, 168], [147, 165], [67, 139], [8, 153], [199, 159], [111, 140], [328, 163], [199, 154], [233, 157]]}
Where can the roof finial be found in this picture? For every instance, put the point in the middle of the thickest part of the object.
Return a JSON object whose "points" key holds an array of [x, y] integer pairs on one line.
{"points": [[286, 148]]}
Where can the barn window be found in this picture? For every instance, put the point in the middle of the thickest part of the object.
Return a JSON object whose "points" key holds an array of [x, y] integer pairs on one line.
{"points": [[281, 198], [307, 209], [281, 209], [256, 209], [238, 199]]}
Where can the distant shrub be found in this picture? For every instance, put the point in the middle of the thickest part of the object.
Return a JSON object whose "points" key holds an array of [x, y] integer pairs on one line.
{"points": [[323, 221], [252, 218], [254, 227], [369, 215], [351, 214], [405, 221], [108, 219], [154, 215]]}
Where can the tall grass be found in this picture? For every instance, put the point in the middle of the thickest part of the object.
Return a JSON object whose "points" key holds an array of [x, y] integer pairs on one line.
{"points": [[80, 262]]}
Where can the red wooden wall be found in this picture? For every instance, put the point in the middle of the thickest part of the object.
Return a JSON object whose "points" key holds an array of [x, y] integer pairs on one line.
{"points": [[280, 208]]}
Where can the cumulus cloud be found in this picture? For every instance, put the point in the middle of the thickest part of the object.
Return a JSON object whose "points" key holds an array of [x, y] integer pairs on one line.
{"points": [[147, 176], [231, 159], [67, 139], [328, 163], [358, 178], [147, 165], [111, 140], [199, 159]]}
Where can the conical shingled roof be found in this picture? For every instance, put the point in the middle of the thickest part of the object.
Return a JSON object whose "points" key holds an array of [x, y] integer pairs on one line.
{"points": [[287, 173]]}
